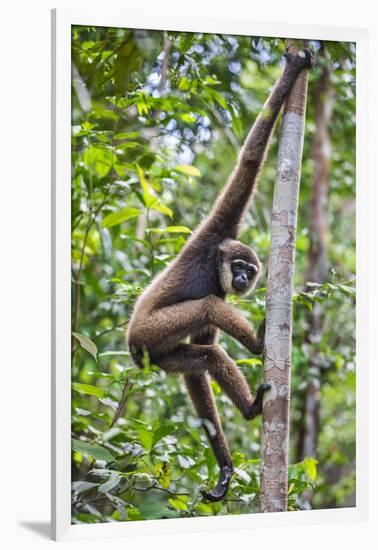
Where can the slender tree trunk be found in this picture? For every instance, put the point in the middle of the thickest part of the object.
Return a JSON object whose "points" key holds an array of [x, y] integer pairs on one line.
{"points": [[317, 257], [275, 440]]}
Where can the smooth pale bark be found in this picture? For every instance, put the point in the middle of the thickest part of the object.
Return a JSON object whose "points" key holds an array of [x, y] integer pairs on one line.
{"points": [[275, 440]]}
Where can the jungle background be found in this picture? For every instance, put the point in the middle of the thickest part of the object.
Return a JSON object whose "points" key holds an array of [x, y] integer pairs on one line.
{"points": [[158, 119]]}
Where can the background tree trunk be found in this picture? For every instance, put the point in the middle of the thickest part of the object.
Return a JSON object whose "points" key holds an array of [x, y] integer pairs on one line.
{"points": [[317, 258], [275, 440]]}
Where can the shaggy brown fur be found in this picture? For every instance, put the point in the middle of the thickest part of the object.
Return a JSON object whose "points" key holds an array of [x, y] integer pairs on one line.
{"points": [[187, 298]]}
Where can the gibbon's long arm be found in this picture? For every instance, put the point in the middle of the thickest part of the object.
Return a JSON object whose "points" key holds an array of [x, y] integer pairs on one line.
{"points": [[227, 213], [175, 321]]}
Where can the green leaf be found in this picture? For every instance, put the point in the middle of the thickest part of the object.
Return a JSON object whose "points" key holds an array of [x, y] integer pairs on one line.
{"points": [[151, 202], [87, 344], [163, 473], [114, 352], [115, 218], [218, 98], [170, 229], [189, 118], [162, 431], [178, 504], [243, 475], [91, 450], [128, 145], [100, 113], [153, 510], [143, 180], [185, 461], [348, 291], [310, 468], [79, 487], [158, 207], [88, 389], [148, 198], [184, 84], [110, 484], [99, 159], [146, 437], [188, 170], [250, 362], [204, 509]]}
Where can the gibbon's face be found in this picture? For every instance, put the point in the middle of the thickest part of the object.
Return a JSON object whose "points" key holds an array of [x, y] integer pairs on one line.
{"points": [[244, 275], [239, 267]]}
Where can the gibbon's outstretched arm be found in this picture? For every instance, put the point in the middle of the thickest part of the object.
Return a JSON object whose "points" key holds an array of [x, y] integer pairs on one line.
{"points": [[228, 210], [165, 327]]}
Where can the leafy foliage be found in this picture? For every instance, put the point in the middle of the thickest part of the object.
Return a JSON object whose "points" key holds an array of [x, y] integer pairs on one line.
{"points": [[152, 145]]}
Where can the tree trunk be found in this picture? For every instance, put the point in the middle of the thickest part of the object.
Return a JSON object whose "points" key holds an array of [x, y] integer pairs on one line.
{"points": [[275, 440], [317, 257]]}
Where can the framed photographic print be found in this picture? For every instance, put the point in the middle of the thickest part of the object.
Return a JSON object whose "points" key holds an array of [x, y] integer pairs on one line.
{"points": [[206, 309]]}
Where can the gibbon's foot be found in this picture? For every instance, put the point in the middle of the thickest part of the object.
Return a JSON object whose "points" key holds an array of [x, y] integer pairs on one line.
{"points": [[257, 405], [305, 58], [221, 487]]}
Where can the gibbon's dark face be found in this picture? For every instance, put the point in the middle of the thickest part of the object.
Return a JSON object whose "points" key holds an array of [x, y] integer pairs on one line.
{"points": [[243, 275], [239, 267]]}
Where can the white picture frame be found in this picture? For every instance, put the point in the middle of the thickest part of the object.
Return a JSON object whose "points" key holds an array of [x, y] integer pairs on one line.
{"points": [[62, 529]]}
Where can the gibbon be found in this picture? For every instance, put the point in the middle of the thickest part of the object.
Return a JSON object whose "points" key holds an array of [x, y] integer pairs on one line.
{"points": [[187, 299]]}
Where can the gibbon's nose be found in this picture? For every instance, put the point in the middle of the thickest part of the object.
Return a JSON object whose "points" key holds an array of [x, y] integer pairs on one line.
{"points": [[241, 281]]}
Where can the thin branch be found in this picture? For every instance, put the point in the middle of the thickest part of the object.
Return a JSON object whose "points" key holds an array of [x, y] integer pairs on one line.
{"points": [[159, 489], [225, 129], [115, 327], [122, 403]]}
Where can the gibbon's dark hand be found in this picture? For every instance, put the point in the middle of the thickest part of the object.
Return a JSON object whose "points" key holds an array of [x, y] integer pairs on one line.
{"points": [[305, 58], [257, 405]]}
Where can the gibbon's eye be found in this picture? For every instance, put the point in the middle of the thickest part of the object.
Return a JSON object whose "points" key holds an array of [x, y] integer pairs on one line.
{"points": [[238, 264], [252, 270]]}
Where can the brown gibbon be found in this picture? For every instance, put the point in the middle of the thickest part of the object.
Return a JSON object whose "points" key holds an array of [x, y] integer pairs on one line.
{"points": [[187, 299]]}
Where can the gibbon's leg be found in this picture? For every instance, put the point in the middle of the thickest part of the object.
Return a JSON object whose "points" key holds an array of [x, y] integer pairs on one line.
{"points": [[193, 360], [202, 396]]}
